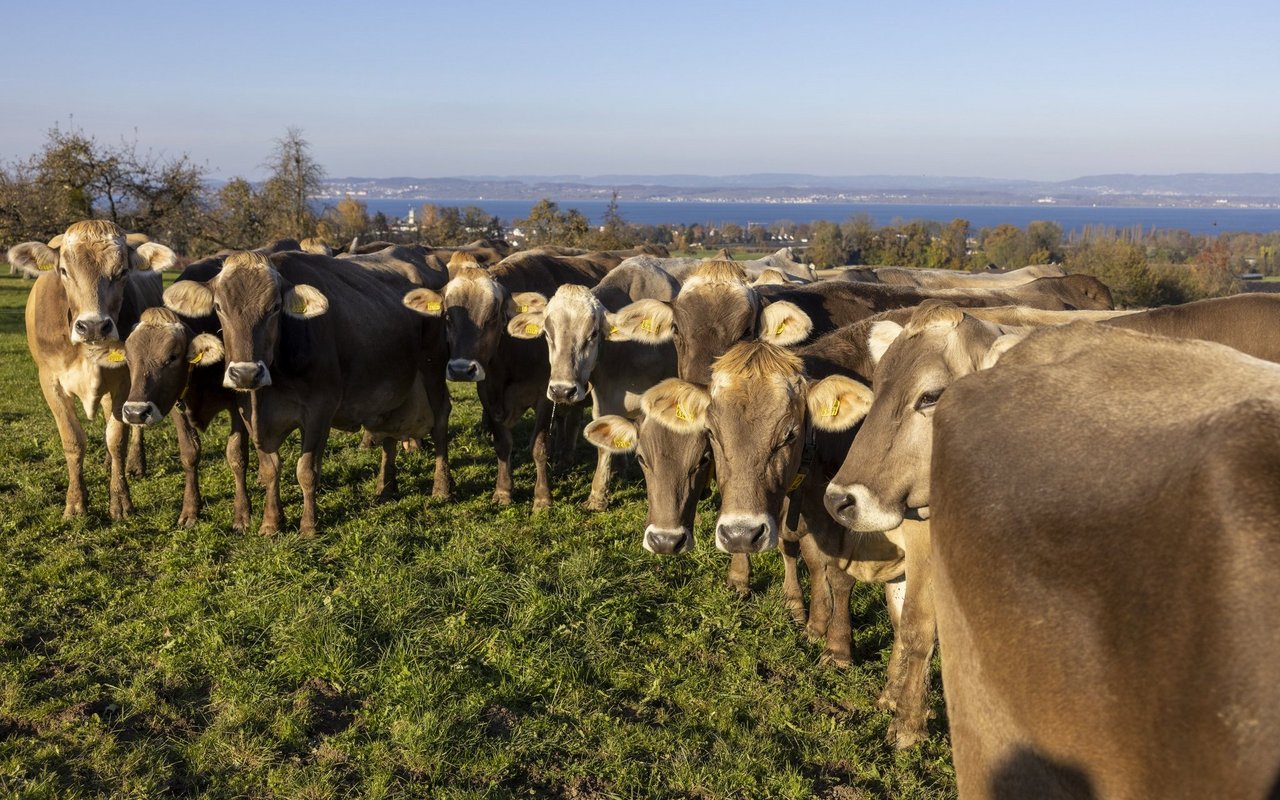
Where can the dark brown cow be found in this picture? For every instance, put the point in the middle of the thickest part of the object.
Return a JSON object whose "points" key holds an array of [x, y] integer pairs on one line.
{"points": [[1105, 569], [313, 344], [512, 373], [98, 283]]}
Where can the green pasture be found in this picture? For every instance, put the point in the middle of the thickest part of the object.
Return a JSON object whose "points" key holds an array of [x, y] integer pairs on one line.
{"points": [[410, 649]]}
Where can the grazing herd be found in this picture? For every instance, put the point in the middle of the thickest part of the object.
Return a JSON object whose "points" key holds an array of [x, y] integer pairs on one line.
{"points": [[1078, 504]]}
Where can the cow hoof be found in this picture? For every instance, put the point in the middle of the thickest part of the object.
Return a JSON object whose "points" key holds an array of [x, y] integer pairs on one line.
{"points": [[885, 701], [186, 520], [307, 533], [833, 659], [740, 588], [799, 614], [904, 734], [813, 632], [384, 496], [268, 530], [541, 504], [502, 498], [441, 490], [121, 509], [136, 471], [596, 504]]}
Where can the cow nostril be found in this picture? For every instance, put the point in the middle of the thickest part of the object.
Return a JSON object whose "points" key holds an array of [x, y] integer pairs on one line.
{"points": [[757, 539], [840, 503]]}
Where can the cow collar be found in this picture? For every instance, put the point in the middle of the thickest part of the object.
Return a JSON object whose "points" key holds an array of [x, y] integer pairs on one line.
{"points": [[807, 459]]}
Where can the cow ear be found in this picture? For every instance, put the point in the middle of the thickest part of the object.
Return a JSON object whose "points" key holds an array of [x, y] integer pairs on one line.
{"points": [[769, 277], [526, 302], [205, 349], [677, 405], [33, 258], [783, 323], [152, 256], [113, 355], [837, 403], [612, 433], [883, 334], [998, 348], [526, 326], [425, 301], [611, 330], [647, 321], [304, 301], [189, 298]]}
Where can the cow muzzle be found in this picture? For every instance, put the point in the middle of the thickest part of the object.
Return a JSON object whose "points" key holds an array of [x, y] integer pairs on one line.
{"points": [[92, 328], [746, 533], [858, 508], [565, 392], [464, 369], [666, 542], [139, 413], [245, 376]]}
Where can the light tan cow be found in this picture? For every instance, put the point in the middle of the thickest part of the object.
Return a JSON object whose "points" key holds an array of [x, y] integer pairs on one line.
{"points": [[1105, 569], [953, 279], [97, 284]]}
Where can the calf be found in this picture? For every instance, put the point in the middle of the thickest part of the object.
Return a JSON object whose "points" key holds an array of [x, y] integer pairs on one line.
{"points": [[312, 344], [512, 374], [1112, 638], [576, 325], [99, 283]]}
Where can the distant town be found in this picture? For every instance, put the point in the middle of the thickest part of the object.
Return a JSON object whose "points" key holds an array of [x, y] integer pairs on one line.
{"points": [[1192, 190]]}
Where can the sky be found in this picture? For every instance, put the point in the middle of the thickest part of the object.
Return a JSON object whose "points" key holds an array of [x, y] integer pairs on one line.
{"points": [[983, 88]]}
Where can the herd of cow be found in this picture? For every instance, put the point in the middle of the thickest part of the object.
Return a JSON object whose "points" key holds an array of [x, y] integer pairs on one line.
{"points": [[1085, 521]]}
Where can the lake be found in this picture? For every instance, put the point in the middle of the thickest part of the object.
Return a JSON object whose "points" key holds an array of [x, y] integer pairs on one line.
{"points": [[1195, 220]]}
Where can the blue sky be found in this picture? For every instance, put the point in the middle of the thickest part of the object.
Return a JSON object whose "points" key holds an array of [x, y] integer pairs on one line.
{"points": [[997, 89]]}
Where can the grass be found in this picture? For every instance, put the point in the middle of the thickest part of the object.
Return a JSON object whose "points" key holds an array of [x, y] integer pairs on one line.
{"points": [[411, 649]]}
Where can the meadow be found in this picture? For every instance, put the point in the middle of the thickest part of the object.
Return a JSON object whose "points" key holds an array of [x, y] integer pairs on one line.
{"points": [[412, 648]]}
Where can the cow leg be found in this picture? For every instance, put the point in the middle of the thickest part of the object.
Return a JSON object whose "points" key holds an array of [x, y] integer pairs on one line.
{"points": [[367, 440], [819, 589], [137, 466], [238, 462], [918, 631], [121, 505], [501, 430], [739, 577], [387, 484], [792, 593], [189, 453], [541, 430], [894, 593], [269, 477], [441, 406], [599, 499], [73, 446], [308, 471], [839, 633]]}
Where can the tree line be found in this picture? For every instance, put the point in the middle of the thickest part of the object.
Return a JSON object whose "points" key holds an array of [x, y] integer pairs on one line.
{"points": [[75, 176]]}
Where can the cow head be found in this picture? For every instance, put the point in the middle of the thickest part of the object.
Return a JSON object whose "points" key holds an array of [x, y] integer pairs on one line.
{"points": [[716, 308], [92, 260], [672, 450], [249, 295], [886, 471], [161, 352], [476, 309], [574, 323]]}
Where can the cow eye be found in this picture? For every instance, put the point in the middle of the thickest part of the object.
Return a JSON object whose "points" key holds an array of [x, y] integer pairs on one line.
{"points": [[640, 459], [702, 462], [928, 400], [217, 307], [62, 270], [275, 309]]}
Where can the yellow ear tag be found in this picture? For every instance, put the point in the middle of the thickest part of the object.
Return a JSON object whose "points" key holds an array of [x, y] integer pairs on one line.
{"points": [[781, 327], [532, 329], [299, 305], [796, 481], [197, 359], [115, 356], [682, 414], [433, 307], [524, 309], [621, 443], [613, 329], [832, 410], [647, 325]]}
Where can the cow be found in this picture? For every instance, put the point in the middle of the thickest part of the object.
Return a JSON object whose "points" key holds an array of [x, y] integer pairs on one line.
{"points": [[97, 284], [511, 373], [952, 279], [174, 369], [312, 344], [1105, 569], [575, 323]]}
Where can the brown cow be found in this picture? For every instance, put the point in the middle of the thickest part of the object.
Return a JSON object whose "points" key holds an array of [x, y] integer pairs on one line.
{"points": [[98, 284], [952, 279], [312, 343], [512, 373], [1105, 569], [575, 322]]}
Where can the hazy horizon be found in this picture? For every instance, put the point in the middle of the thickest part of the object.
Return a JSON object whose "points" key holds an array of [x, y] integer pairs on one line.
{"points": [[992, 89]]}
